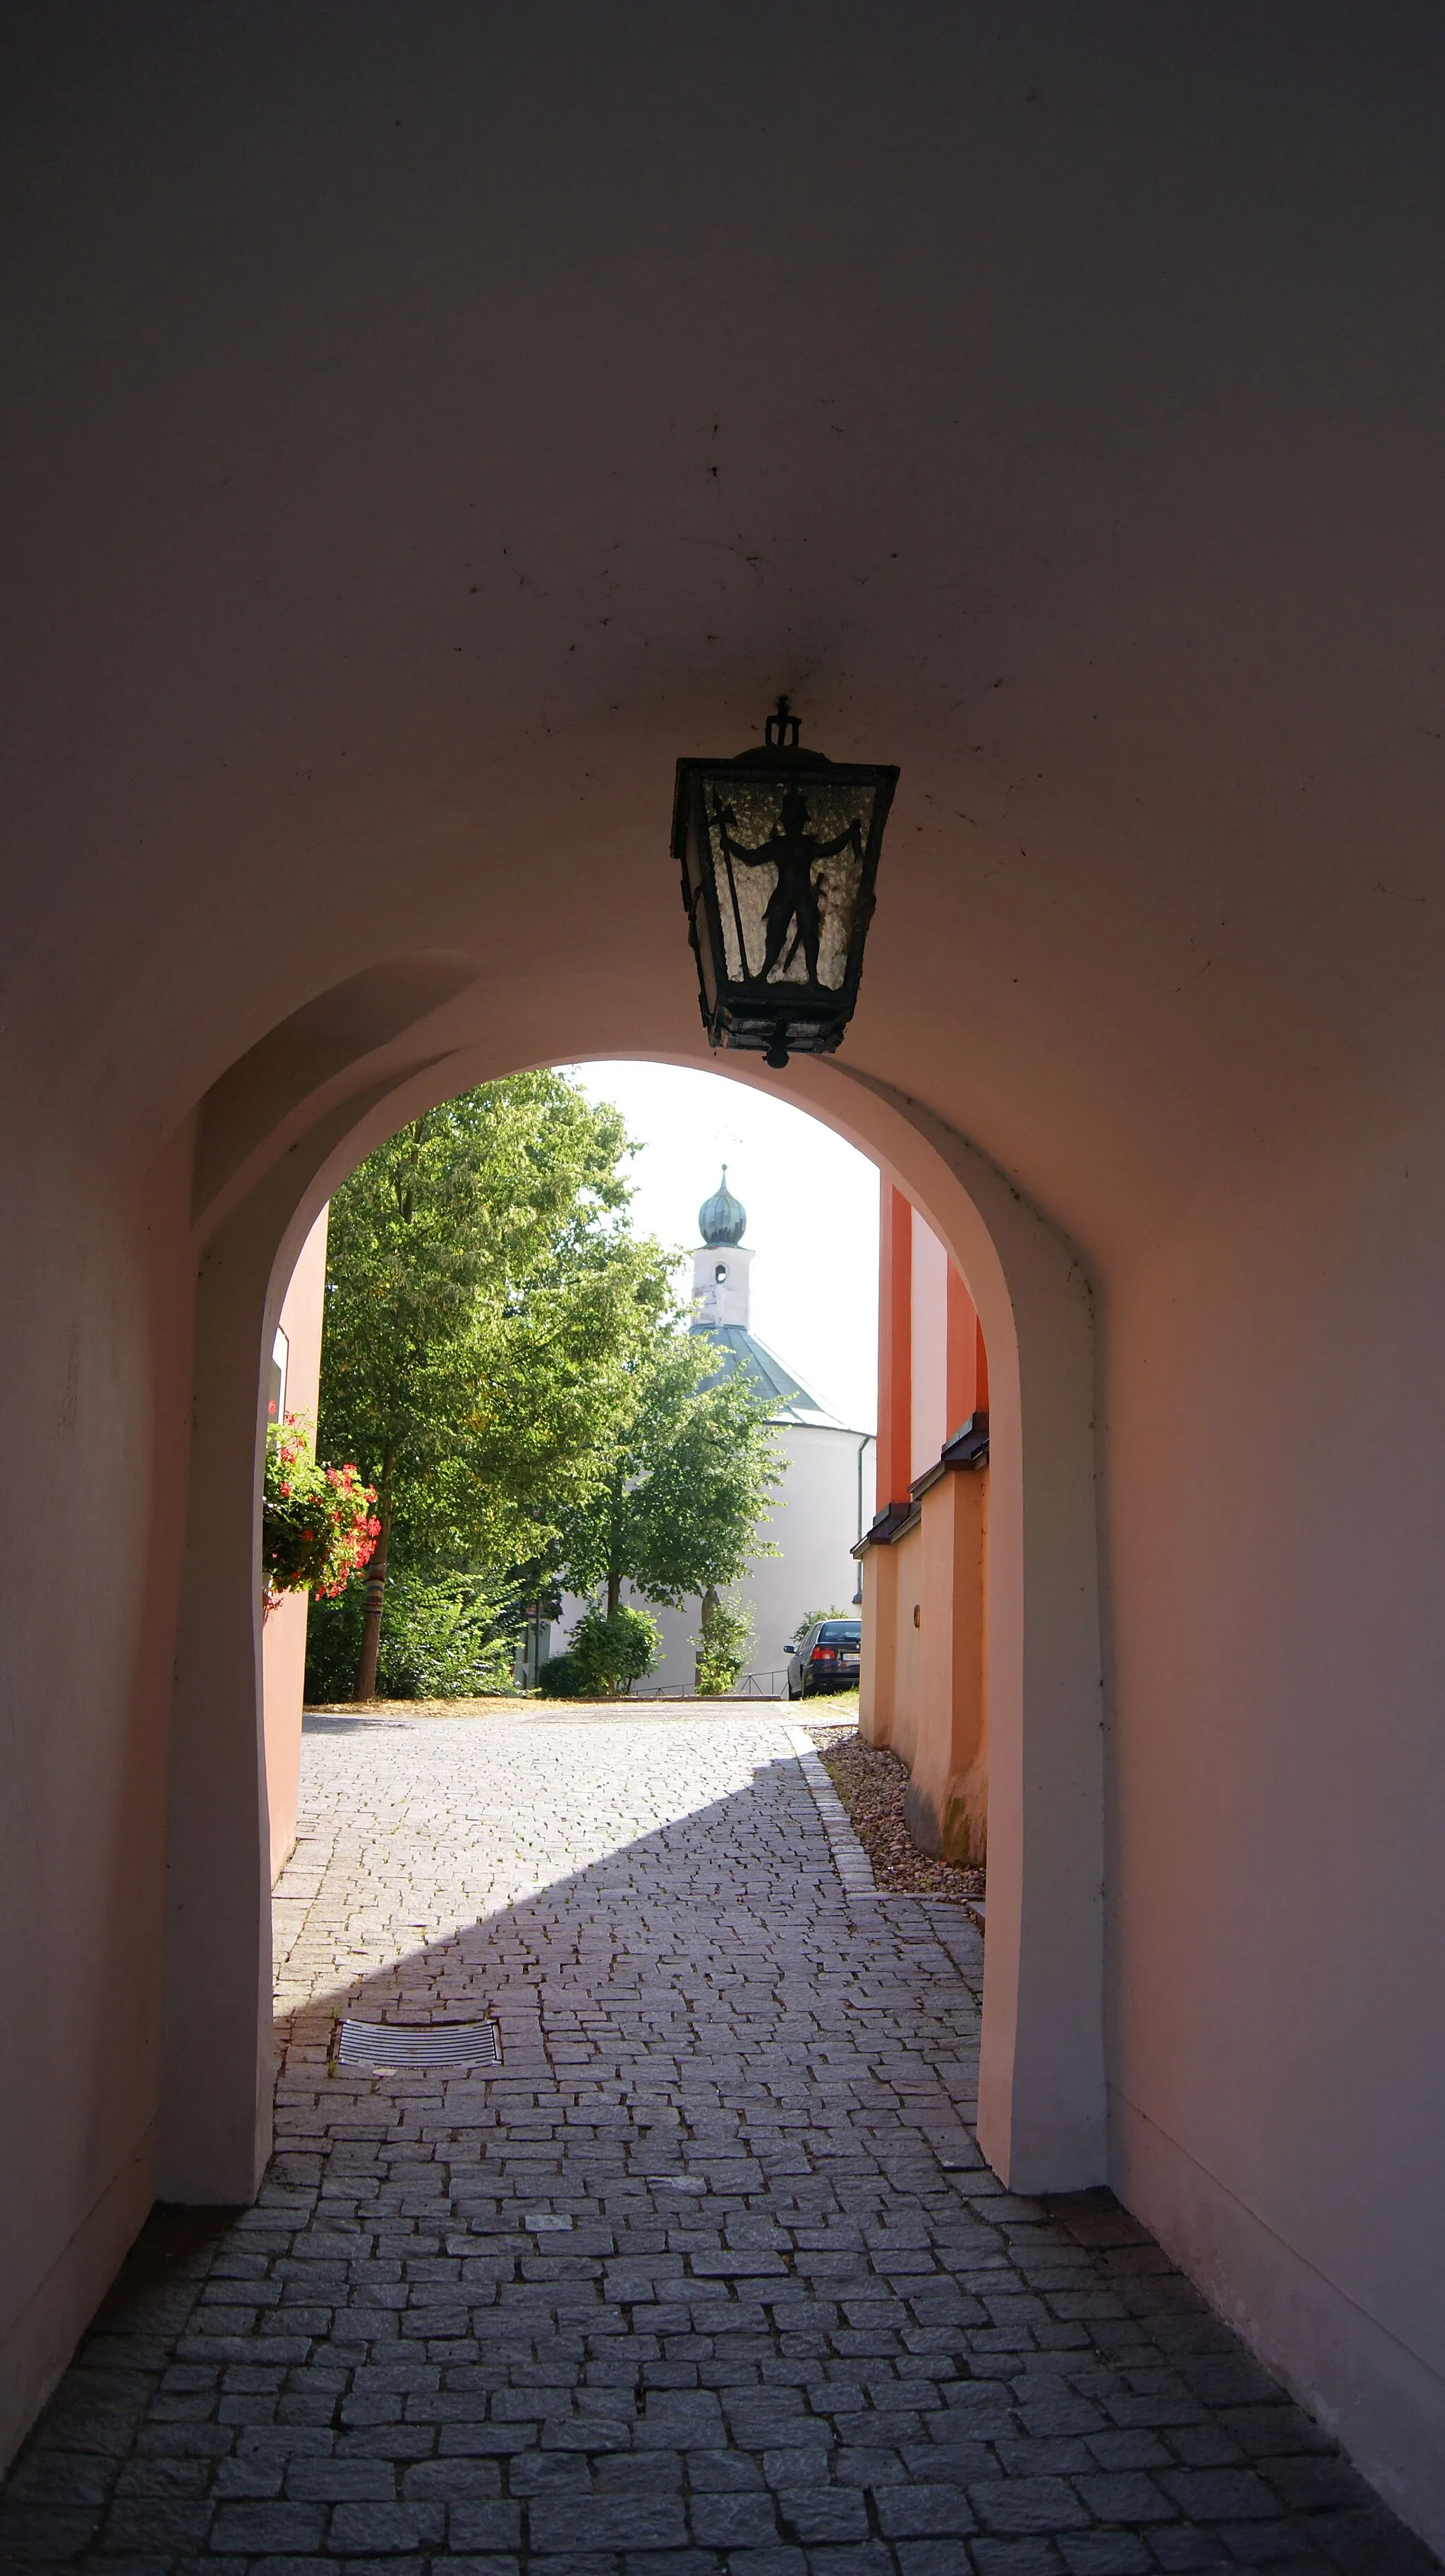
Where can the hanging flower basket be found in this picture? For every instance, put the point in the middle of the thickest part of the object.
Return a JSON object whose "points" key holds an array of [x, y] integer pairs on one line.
{"points": [[317, 1525]]}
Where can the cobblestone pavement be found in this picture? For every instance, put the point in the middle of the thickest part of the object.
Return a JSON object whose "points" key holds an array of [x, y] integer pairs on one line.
{"points": [[708, 2281]]}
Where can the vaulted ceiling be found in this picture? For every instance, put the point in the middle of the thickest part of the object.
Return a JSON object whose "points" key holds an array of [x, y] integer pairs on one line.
{"points": [[425, 423]]}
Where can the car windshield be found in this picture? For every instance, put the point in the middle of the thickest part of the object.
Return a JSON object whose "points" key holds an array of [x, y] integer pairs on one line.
{"points": [[840, 1632]]}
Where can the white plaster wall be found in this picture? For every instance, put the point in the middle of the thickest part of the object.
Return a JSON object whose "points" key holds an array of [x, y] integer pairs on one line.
{"points": [[722, 1300], [813, 1523]]}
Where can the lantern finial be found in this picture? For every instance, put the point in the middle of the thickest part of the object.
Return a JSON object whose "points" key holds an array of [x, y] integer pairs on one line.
{"points": [[781, 730]]}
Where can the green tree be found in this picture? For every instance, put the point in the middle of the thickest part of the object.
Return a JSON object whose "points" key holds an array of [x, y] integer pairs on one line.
{"points": [[483, 1303], [684, 1467]]}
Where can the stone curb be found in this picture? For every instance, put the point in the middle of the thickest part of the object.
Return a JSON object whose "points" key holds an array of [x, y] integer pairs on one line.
{"points": [[849, 1858]]}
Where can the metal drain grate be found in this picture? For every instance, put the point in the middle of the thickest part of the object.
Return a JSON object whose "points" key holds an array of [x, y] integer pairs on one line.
{"points": [[394, 2048]]}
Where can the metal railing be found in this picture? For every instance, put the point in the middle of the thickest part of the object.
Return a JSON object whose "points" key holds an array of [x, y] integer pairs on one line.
{"points": [[772, 1685]]}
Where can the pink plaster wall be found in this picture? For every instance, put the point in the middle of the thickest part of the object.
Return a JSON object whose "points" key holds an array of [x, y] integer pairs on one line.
{"points": [[1276, 2060], [283, 1636], [98, 1287]]}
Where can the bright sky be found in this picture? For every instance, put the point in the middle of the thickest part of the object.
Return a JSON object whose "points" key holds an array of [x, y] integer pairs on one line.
{"points": [[812, 1206]]}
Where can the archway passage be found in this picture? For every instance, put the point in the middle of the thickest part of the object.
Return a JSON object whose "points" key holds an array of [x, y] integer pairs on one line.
{"points": [[424, 430], [1042, 2108]]}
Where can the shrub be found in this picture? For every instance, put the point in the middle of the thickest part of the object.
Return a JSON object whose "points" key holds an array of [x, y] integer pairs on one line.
{"points": [[442, 1637], [333, 1644], [558, 1678], [607, 1655], [723, 1644], [809, 1618]]}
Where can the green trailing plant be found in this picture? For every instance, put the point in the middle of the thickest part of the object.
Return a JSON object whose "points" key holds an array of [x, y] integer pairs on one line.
{"points": [[723, 1643], [317, 1525]]}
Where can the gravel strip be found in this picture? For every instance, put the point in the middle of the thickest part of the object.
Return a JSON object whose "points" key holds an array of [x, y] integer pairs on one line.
{"points": [[872, 1783]]}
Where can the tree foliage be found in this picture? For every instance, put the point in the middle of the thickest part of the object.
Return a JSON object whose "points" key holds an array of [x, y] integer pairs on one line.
{"points": [[445, 1635], [684, 1468], [511, 1369], [482, 1291], [476, 1265]]}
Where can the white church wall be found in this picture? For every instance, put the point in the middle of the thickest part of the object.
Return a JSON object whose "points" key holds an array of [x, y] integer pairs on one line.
{"points": [[814, 1522]]}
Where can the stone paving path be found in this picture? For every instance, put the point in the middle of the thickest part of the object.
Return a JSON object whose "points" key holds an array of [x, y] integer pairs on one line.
{"points": [[709, 2280]]}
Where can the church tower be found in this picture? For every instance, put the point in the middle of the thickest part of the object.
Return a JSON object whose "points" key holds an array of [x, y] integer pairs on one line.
{"points": [[721, 1262], [814, 1520]]}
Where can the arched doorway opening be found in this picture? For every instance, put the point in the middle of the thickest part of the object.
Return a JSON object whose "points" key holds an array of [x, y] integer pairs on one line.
{"points": [[276, 1134]]}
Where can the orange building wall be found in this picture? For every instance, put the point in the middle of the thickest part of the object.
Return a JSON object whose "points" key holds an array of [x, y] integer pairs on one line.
{"points": [[895, 1333], [928, 1359], [946, 1807], [967, 1365], [923, 1685], [887, 1698]]}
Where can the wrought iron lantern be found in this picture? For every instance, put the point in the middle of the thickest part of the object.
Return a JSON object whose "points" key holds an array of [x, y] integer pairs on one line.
{"points": [[779, 851]]}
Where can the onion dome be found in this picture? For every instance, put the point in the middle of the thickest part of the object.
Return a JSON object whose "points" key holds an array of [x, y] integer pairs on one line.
{"points": [[722, 1217]]}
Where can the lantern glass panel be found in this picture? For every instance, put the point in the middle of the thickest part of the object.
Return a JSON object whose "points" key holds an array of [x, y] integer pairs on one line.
{"points": [[787, 858]]}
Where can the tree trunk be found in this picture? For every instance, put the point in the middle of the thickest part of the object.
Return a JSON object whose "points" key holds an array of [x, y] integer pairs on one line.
{"points": [[709, 1605], [375, 1592], [614, 1594]]}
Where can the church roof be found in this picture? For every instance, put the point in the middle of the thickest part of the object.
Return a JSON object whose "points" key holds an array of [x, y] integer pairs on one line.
{"points": [[721, 1218], [787, 1400]]}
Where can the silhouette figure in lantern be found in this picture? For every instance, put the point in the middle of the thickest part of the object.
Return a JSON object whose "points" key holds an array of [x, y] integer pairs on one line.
{"points": [[793, 904]]}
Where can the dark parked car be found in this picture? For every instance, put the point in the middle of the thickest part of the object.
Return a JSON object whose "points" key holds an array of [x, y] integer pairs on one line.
{"points": [[825, 1658]]}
